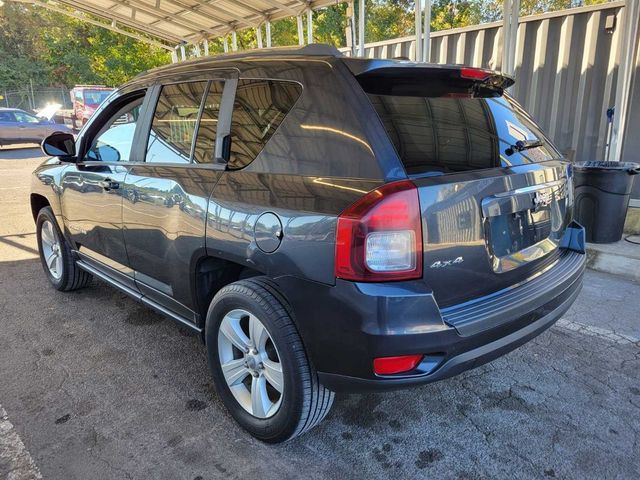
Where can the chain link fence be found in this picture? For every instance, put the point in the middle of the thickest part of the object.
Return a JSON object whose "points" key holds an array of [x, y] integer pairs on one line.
{"points": [[32, 99]]}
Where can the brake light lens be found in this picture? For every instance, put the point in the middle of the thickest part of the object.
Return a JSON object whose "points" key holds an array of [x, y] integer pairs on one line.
{"points": [[379, 238], [392, 365], [475, 73]]}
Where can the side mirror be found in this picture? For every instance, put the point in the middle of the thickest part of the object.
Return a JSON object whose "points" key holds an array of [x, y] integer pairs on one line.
{"points": [[61, 145]]}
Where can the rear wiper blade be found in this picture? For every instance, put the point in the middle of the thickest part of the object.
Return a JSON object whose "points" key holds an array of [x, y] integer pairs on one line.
{"points": [[522, 145]]}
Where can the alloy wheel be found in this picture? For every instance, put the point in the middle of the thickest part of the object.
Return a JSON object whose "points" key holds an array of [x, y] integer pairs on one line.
{"points": [[51, 249], [250, 363]]}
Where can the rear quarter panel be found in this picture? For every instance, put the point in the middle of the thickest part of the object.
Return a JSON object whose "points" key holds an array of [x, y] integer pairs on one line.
{"points": [[322, 158]]}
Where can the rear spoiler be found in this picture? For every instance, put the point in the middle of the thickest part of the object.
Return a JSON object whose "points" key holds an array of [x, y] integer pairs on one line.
{"points": [[392, 77]]}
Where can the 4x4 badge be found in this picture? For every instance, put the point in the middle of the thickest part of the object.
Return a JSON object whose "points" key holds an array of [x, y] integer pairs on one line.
{"points": [[446, 263]]}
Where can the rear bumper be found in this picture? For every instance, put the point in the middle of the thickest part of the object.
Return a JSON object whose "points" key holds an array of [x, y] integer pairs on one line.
{"points": [[472, 358], [345, 327]]}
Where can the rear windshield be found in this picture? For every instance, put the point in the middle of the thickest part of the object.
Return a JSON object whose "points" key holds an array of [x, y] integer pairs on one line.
{"points": [[448, 134]]}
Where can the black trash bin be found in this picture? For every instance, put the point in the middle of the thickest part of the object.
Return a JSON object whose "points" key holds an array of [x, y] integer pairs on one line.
{"points": [[602, 191]]}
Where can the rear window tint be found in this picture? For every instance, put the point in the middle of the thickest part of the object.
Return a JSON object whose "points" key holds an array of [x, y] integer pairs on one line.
{"points": [[259, 108], [441, 135]]}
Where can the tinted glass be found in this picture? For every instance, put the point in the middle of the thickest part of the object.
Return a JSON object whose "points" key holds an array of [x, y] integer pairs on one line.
{"points": [[114, 143], [447, 135], [206, 138], [6, 117], [174, 123], [259, 108]]}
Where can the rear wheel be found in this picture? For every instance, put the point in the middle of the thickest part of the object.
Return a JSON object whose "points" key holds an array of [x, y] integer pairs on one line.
{"points": [[55, 254], [259, 364]]}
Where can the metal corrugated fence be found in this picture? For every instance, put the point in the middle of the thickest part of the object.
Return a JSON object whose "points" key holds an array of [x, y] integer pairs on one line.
{"points": [[566, 67]]}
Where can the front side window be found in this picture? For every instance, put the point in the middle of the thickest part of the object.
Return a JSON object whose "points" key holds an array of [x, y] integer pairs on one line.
{"points": [[115, 139], [259, 108], [174, 123], [93, 98], [25, 117]]}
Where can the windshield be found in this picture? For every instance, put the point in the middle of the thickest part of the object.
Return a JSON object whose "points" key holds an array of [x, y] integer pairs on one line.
{"points": [[441, 135], [93, 98]]}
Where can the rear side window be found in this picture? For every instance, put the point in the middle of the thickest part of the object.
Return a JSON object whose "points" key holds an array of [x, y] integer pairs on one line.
{"points": [[452, 133], [206, 139], [259, 108], [174, 123]]}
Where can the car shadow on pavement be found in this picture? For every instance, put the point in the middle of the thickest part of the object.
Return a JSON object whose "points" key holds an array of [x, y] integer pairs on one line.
{"points": [[21, 152], [102, 387], [11, 241]]}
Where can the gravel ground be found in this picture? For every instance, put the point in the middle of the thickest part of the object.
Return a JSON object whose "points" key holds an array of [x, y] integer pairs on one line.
{"points": [[96, 386]]}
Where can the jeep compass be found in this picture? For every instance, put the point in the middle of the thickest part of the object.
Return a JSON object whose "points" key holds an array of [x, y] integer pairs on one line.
{"points": [[324, 223]]}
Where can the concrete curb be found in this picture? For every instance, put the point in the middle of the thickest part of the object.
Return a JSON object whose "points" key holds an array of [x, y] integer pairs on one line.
{"points": [[621, 258]]}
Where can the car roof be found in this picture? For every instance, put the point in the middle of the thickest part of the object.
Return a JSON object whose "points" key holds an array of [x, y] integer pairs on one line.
{"points": [[244, 60]]}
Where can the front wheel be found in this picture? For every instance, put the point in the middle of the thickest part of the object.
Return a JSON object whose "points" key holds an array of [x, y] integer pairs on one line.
{"points": [[259, 365], [55, 254]]}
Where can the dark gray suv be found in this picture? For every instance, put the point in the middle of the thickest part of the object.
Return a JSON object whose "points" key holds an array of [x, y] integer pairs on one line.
{"points": [[324, 223]]}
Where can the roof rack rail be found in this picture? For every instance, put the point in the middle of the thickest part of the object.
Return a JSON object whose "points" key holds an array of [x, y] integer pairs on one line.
{"points": [[313, 49]]}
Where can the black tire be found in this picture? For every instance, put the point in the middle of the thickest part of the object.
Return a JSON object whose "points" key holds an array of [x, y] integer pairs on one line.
{"points": [[71, 277], [305, 402]]}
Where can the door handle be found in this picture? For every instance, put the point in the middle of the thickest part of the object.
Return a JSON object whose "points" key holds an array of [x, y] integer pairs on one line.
{"points": [[109, 184]]}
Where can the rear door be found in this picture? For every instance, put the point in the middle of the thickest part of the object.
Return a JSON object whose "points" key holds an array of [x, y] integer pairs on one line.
{"points": [[165, 199], [8, 127], [493, 189]]}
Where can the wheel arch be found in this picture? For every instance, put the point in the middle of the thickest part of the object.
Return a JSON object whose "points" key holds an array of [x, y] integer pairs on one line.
{"points": [[210, 275], [38, 202]]}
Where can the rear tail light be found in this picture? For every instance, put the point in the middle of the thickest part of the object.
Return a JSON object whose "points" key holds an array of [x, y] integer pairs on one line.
{"points": [[379, 238], [391, 365]]}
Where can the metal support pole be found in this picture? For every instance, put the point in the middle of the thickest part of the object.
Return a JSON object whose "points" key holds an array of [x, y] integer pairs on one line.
{"points": [[196, 50], [234, 41], [268, 32], [174, 56], [361, 28], [183, 53], [418, 15], [300, 30], [206, 47], [630, 41], [351, 28], [511, 10], [259, 35], [225, 44], [426, 42], [33, 99], [309, 26]]}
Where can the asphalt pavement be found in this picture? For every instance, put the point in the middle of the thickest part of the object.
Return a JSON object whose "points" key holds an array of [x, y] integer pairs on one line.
{"points": [[95, 386]]}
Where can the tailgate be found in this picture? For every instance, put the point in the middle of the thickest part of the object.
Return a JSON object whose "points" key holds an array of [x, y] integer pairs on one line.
{"points": [[494, 192], [486, 234]]}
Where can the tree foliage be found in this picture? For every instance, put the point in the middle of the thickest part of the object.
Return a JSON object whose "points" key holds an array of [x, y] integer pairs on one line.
{"points": [[51, 49]]}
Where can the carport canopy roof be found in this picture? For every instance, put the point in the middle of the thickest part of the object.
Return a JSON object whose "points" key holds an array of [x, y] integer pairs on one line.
{"points": [[187, 21]]}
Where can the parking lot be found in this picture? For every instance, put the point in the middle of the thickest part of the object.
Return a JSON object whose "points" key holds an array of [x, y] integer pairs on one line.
{"points": [[96, 386]]}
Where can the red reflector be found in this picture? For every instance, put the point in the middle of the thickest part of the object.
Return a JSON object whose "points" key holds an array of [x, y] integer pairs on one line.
{"points": [[391, 365], [475, 73]]}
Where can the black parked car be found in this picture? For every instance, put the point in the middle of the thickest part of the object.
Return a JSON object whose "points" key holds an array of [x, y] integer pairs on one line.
{"points": [[325, 223]]}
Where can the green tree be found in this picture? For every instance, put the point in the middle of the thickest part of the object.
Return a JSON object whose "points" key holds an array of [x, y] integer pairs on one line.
{"points": [[50, 49]]}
